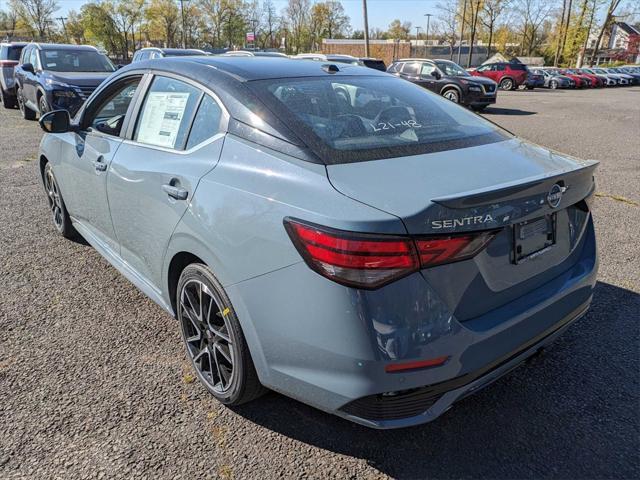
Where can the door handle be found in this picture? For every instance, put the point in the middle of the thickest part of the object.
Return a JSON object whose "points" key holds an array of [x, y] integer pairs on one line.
{"points": [[178, 193], [100, 164]]}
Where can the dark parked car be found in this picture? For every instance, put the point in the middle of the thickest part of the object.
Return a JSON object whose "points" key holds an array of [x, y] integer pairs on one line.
{"points": [[534, 80], [554, 80], [9, 56], [152, 52], [447, 79], [58, 77], [508, 75]]}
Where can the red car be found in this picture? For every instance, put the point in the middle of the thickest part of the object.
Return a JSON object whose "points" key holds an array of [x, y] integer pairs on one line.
{"points": [[508, 76], [581, 80], [595, 80]]}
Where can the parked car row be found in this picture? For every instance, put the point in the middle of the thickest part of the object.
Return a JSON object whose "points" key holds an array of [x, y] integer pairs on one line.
{"points": [[39, 77], [447, 79]]}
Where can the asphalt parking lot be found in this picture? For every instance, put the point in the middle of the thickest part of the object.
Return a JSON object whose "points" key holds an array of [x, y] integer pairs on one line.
{"points": [[94, 383]]}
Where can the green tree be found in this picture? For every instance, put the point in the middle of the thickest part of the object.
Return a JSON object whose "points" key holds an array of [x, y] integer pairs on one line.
{"points": [[399, 30]]}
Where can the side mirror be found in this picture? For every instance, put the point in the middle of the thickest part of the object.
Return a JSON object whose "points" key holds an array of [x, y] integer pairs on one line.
{"points": [[57, 121], [119, 66], [28, 67], [436, 74]]}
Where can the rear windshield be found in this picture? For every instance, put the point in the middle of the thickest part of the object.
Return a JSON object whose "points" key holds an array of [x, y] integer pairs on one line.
{"points": [[10, 53], [349, 119], [64, 60]]}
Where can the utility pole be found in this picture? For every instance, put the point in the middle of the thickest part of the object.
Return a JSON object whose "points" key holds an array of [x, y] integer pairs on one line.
{"points": [[366, 28], [428, 15], [184, 38], [464, 14], [64, 27], [417, 38]]}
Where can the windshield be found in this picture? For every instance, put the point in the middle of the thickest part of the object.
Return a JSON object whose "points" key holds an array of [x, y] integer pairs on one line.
{"points": [[64, 60], [452, 69], [350, 119]]}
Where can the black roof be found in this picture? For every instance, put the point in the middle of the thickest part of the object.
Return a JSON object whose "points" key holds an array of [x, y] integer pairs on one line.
{"points": [[245, 69]]}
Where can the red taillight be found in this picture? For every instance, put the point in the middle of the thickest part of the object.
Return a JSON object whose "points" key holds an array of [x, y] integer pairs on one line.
{"points": [[438, 250], [358, 260], [370, 261], [8, 63]]}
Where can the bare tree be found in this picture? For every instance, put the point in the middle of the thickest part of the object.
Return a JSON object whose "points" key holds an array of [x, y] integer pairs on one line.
{"points": [[491, 11], [533, 14], [36, 13], [297, 17], [605, 24], [447, 25]]}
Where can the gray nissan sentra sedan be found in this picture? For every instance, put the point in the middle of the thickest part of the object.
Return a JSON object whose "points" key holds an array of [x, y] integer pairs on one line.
{"points": [[326, 231]]}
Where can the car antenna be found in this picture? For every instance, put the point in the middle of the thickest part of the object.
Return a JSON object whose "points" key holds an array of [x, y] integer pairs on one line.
{"points": [[330, 68]]}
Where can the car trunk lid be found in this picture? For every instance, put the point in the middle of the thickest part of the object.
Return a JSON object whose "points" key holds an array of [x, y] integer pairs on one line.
{"points": [[512, 186]]}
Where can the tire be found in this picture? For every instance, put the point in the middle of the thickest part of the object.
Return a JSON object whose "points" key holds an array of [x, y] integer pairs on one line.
{"points": [[553, 85], [43, 105], [8, 101], [213, 338], [27, 114], [452, 94], [506, 84], [59, 214]]}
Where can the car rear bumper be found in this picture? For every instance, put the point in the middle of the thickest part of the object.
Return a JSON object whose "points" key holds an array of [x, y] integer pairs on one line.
{"points": [[328, 345]]}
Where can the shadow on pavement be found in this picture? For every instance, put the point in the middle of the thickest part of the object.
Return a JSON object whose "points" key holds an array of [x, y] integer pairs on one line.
{"points": [[507, 111], [569, 413]]}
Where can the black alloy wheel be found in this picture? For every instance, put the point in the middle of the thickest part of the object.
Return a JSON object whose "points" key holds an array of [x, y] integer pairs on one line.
{"points": [[213, 338]]}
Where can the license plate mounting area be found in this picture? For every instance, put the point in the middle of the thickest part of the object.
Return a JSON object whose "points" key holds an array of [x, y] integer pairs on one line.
{"points": [[533, 237]]}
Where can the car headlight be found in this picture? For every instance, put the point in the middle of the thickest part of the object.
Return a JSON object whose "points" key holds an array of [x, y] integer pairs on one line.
{"points": [[55, 83], [64, 93], [475, 88]]}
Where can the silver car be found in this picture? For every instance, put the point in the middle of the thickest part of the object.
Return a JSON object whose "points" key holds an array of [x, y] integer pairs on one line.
{"points": [[325, 230]]}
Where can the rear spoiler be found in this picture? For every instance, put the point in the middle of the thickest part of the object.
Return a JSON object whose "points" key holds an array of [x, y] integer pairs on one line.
{"points": [[578, 182]]}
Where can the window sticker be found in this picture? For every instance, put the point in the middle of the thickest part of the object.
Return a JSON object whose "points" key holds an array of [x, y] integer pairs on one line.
{"points": [[161, 119]]}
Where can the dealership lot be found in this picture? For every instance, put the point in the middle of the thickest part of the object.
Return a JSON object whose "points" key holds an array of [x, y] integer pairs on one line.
{"points": [[93, 376]]}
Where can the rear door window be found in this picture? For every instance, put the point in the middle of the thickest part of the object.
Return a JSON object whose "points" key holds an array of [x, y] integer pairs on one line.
{"points": [[166, 114], [206, 123], [411, 68]]}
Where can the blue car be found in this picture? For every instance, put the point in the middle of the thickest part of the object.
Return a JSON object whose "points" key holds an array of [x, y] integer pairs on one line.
{"points": [[325, 230], [54, 77]]}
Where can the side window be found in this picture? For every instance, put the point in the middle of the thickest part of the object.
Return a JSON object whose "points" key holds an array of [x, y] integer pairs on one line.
{"points": [[411, 68], [427, 69], [110, 113], [500, 67], [206, 123], [166, 114], [24, 57], [483, 68], [33, 58]]}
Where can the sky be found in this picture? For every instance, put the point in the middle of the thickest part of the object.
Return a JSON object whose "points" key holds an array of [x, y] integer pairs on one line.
{"points": [[381, 12]]}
